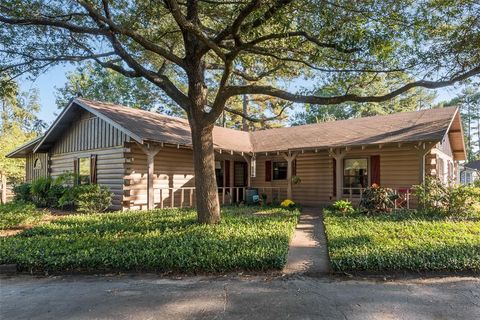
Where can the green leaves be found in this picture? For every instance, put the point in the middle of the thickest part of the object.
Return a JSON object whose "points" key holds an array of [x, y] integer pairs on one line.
{"points": [[159, 240], [402, 241], [18, 214]]}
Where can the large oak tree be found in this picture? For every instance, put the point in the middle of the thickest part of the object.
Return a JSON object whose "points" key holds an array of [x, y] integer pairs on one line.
{"points": [[201, 53]]}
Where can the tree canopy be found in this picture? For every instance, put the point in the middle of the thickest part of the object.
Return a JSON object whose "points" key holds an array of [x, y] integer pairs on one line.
{"points": [[469, 102], [203, 53], [18, 125], [415, 99]]}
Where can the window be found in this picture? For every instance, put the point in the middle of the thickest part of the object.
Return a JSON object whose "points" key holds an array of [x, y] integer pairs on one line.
{"points": [[219, 173], [37, 164], [280, 170], [84, 170], [441, 170], [355, 175]]}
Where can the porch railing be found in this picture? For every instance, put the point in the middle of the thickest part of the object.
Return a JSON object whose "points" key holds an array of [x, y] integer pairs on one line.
{"points": [[183, 197], [403, 201]]}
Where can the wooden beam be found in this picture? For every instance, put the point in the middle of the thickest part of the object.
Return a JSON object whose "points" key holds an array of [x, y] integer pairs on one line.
{"points": [[290, 157], [151, 151]]}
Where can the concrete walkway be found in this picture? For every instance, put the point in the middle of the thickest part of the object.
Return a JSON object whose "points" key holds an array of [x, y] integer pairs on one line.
{"points": [[151, 297], [308, 252]]}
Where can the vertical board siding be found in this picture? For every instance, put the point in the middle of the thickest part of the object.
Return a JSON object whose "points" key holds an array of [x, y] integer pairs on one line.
{"points": [[30, 172], [87, 136], [89, 133]]}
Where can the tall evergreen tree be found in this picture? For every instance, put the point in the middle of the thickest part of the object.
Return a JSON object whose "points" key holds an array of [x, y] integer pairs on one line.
{"points": [[469, 102]]}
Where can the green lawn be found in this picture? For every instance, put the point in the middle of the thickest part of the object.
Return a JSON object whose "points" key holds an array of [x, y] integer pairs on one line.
{"points": [[402, 241], [160, 240], [17, 215]]}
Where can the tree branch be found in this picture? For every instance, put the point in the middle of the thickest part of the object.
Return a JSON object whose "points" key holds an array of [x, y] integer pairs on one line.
{"points": [[186, 25], [312, 99], [142, 41]]}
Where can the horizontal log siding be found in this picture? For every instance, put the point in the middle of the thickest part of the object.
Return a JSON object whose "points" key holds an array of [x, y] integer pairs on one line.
{"points": [[259, 180], [399, 168], [110, 169], [89, 133], [33, 174], [173, 169]]}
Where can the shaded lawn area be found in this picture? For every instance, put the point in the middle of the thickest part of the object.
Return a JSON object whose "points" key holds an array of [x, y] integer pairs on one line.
{"points": [[18, 215], [166, 240], [402, 241]]}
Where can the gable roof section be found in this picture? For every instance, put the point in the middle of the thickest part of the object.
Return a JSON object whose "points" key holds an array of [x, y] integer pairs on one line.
{"points": [[155, 127], [23, 150], [475, 165], [143, 126]]}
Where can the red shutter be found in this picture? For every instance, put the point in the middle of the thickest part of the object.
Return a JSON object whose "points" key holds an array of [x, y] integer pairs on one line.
{"points": [[245, 174], [294, 167], [334, 175], [226, 168], [93, 168], [375, 170], [268, 170]]}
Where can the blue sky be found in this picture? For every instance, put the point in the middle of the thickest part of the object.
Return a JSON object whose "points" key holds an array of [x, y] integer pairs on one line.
{"points": [[56, 78]]}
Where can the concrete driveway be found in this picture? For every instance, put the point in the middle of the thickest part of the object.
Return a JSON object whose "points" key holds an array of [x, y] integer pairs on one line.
{"points": [[151, 297]]}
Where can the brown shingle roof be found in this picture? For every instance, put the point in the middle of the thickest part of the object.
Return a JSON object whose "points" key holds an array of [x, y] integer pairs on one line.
{"points": [[425, 125], [152, 126]]}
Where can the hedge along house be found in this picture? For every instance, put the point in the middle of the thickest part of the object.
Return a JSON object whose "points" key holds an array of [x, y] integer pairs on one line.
{"points": [[146, 158]]}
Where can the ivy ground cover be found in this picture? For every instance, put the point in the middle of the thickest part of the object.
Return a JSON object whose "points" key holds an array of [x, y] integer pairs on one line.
{"points": [[159, 240], [402, 241]]}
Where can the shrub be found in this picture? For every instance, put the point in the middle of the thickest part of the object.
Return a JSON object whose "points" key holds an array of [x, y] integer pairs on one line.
{"points": [[343, 206], [287, 203], [431, 195], [93, 198], [458, 201], [40, 191], [17, 213], [378, 199], [462, 201], [23, 192]]}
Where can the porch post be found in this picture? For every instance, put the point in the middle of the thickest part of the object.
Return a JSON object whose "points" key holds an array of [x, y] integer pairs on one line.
{"points": [[248, 160], [151, 152], [338, 155], [339, 171], [290, 157]]}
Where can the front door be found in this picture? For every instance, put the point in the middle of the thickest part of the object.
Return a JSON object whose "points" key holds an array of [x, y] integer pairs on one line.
{"points": [[239, 179]]}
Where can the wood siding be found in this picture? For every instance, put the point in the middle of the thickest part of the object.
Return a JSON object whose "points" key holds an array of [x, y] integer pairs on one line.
{"points": [[110, 168], [173, 168], [89, 133], [399, 168], [32, 173]]}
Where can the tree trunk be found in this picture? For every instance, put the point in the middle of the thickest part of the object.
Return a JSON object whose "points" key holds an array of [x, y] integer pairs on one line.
{"points": [[245, 112], [208, 206]]}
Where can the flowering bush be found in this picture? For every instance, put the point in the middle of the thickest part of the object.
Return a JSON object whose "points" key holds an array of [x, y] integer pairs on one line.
{"points": [[378, 199], [287, 203]]}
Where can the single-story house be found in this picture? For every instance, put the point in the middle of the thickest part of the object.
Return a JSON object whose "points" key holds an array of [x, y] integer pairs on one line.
{"points": [[146, 158], [469, 172]]}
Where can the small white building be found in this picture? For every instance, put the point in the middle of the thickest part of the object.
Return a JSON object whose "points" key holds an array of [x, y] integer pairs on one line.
{"points": [[469, 172]]}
